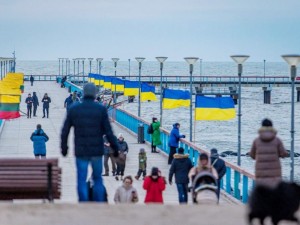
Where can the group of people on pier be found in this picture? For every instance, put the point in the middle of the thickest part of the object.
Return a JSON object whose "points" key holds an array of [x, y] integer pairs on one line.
{"points": [[34, 101]]}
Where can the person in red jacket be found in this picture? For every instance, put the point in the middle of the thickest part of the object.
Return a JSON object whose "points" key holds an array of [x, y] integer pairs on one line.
{"points": [[154, 185]]}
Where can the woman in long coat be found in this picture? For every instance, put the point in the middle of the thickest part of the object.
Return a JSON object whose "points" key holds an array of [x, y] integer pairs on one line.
{"points": [[155, 135]]}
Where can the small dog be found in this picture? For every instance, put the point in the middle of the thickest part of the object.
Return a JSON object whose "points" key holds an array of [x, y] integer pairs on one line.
{"points": [[279, 203]]}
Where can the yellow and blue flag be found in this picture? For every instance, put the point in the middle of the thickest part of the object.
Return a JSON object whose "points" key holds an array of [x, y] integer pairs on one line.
{"points": [[148, 92], [97, 79], [117, 84], [175, 98], [107, 82], [131, 88], [214, 108]]}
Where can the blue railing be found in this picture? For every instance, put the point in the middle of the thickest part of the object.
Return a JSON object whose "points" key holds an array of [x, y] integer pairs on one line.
{"points": [[237, 182]]}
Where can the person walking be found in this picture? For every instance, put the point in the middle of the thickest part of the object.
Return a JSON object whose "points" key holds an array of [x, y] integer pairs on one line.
{"points": [[121, 160], [39, 139], [203, 166], [266, 149], [46, 101], [29, 101], [142, 164], [173, 141], [108, 154], [155, 135], [90, 122], [126, 193], [154, 185], [35, 102], [219, 165], [31, 80], [181, 166], [68, 102]]}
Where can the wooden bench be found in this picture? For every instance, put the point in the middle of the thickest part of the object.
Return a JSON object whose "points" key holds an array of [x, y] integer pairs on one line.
{"points": [[22, 178]]}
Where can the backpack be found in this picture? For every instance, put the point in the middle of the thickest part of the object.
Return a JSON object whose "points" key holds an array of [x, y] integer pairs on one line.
{"points": [[150, 129]]}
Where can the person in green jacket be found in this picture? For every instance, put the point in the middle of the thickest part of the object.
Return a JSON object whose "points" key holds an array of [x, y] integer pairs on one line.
{"points": [[155, 135]]}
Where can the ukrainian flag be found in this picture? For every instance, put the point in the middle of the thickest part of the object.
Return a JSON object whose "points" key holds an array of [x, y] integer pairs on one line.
{"points": [[175, 98], [219, 108], [117, 84], [91, 77], [107, 82], [148, 92], [131, 88], [97, 79]]}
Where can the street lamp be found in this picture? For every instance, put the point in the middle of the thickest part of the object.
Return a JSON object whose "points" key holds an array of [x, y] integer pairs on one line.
{"points": [[191, 61], [264, 68], [90, 60], [200, 67], [140, 60], [161, 60], [129, 68], [74, 61], [115, 60], [99, 60], [293, 61], [83, 69], [239, 59]]}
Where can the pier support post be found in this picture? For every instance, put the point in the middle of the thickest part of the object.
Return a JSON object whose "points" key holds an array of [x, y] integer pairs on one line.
{"points": [[233, 94], [298, 94], [267, 95]]}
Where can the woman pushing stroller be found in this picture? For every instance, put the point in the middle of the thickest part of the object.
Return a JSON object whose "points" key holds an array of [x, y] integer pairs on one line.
{"points": [[204, 181]]}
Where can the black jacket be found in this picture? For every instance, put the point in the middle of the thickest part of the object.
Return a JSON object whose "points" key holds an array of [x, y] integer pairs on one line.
{"points": [[46, 102], [90, 122], [219, 165], [28, 101], [181, 166], [35, 99]]}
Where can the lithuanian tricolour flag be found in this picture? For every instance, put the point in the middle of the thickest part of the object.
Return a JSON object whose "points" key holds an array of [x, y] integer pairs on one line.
{"points": [[211, 108], [175, 98]]}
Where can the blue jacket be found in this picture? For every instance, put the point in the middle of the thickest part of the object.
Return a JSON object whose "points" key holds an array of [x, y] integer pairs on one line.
{"points": [[219, 165], [28, 101], [90, 122], [39, 138], [174, 137], [181, 166], [68, 101]]}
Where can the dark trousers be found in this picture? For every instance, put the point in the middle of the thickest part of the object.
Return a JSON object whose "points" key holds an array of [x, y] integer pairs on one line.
{"points": [[29, 110], [31, 83], [140, 172], [182, 193], [171, 154], [34, 110], [219, 187], [120, 169], [153, 147], [46, 110], [113, 163]]}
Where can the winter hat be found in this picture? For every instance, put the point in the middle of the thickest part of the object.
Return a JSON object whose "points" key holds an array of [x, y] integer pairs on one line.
{"points": [[214, 152], [142, 150], [39, 126], [154, 171], [203, 156], [176, 124], [267, 123], [120, 135], [180, 150], [89, 90]]}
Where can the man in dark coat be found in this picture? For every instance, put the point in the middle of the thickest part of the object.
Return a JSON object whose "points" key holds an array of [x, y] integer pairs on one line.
{"points": [[28, 101], [181, 166], [31, 80], [46, 102], [90, 122], [173, 141], [219, 165], [35, 102], [68, 102]]}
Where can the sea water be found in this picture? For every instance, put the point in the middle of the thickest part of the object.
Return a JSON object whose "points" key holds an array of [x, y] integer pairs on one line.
{"points": [[207, 134]]}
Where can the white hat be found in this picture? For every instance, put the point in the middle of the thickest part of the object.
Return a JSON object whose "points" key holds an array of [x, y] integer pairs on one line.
{"points": [[120, 135]]}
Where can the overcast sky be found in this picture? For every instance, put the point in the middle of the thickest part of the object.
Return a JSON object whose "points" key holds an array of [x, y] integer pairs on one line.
{"points": [[209, 29]]}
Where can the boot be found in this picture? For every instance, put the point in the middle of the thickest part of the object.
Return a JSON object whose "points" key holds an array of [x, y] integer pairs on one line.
{"points": [[117, 177]]}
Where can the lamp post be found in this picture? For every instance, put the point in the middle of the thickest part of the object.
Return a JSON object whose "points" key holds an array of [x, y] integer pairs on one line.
{"points": [[99, 60], [90, 60], [59, 66], [293, 61], [74, 62], [67, 63], [129, 68], [200, 67], [191, 61], [1, 68], [161, 60], [140, 60], [83, 69], [62, 66], [115, 60], [264, 68], [239, 59]]}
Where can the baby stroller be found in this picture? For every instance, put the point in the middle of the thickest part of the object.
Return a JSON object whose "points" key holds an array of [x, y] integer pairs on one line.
{"points": [[204, 189]]}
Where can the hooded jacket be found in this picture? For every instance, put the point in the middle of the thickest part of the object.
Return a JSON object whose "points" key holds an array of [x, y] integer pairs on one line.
{"points": [[124, 195], [35, 99], [154, 189], [266, 150], [175, 136], [156, 133], [39, 139], [181, 166]]}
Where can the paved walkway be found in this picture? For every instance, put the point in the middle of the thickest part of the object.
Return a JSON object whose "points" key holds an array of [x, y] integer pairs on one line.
{"points": [[15, 142]]}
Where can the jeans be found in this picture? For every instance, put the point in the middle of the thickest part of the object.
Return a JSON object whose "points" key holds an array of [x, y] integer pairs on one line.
{"points": [[34, 109], [46, 110], [113, 163], [29, 110], [82, 164], [182, 193]]}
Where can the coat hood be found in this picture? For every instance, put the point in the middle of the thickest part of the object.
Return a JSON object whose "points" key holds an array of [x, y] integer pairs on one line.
{"points": [[267, 134], [39, 131], [181, 156], [175, 125]]}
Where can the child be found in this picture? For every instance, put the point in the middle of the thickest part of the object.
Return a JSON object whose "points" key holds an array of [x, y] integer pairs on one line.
{"points": [[142, 164], [154, 185]]}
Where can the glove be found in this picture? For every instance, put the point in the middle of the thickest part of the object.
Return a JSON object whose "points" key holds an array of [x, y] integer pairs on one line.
{"points": [[64, 151], [183, 136]]}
